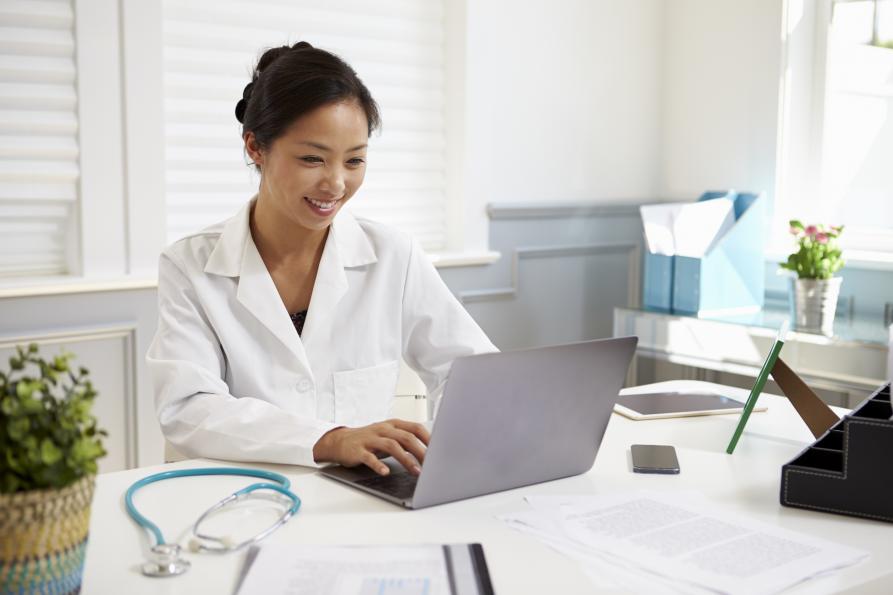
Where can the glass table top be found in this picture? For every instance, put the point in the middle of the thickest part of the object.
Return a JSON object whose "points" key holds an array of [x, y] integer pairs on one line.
{"points": [[862, 329]]}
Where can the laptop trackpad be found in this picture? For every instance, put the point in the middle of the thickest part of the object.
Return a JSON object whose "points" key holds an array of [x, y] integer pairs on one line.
{"points": [[362, 471]]}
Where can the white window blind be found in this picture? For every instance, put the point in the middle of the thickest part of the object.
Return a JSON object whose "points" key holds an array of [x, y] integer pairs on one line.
{"points": [[38, 136], [396, 47]]}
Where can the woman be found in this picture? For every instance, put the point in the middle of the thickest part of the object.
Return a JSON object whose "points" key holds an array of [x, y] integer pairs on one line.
{"points": [[281, 330]]}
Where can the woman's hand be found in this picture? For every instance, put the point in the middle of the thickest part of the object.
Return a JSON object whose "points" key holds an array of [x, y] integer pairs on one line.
{"points": [[404, 440]]}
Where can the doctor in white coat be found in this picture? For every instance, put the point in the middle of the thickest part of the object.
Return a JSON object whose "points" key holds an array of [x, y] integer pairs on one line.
{"points": [[281, 330]]}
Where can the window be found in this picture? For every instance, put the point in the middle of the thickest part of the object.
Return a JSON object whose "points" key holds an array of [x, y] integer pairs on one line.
{"points": [[396, 46], [858, 140], [117, 133], [39, 161], [838, 117]]}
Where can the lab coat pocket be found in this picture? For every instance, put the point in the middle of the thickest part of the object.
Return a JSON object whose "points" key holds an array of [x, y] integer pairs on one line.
{"points": [[364, 396]]}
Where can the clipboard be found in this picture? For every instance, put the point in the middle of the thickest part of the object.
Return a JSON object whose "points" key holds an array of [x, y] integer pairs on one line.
{"points": [[452, 569]]}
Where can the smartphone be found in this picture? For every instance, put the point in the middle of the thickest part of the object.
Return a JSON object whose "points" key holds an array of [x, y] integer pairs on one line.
{"points": [[654, 458]]}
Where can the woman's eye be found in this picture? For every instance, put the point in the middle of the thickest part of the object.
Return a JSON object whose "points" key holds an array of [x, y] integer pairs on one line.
{"points": [[357, 161], [311, 159]]}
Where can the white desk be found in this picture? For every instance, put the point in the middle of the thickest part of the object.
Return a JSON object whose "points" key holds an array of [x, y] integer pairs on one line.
{"points": [[747, 481]]}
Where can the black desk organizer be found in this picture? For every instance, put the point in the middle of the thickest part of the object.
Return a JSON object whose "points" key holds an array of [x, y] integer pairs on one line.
{"points": [[849, 469]]}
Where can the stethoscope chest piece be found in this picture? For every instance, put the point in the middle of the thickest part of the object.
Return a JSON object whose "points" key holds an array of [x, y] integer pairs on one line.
{"points": [[166, 561]]}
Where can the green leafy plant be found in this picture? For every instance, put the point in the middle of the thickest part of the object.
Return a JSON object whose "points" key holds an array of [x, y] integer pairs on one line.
{"points": [[819, 255], [48, 436]]}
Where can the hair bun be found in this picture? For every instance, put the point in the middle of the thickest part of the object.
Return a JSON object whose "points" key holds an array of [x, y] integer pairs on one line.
{"points": [[240, 111], [302, 45], [243, 103]]}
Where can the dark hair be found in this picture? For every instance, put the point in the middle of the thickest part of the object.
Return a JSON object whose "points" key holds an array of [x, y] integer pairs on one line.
{"points": [[289, 82]]}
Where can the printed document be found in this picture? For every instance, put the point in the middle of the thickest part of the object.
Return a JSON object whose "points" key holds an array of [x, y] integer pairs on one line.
{"points": [[680, 543]]}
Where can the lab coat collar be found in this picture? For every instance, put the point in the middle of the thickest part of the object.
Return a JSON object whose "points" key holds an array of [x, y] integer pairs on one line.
{"points": [[354, 247], [226, 259], [236, 255], [347, 246], [258, 293]]}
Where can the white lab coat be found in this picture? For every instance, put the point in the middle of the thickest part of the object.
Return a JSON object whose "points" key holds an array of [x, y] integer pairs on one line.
{"points": [[233, 379]]}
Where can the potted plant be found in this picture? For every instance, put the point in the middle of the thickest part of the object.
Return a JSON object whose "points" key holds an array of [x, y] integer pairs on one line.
{"points": [[815, 288], [49, 444]]}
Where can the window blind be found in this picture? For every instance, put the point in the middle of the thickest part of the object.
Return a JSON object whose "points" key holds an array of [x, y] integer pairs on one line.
{"points": [[38, 136], [396, 47]]}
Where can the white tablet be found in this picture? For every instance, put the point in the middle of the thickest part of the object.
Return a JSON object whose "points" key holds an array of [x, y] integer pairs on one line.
{"points": [[665, 404]]}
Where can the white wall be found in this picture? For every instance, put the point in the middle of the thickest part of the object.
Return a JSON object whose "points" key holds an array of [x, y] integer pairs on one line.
{"points": [[721, 69], [606, 101], [562, 101]]}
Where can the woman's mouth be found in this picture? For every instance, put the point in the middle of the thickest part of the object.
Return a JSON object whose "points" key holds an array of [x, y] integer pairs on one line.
{"points": [[321, 207]]}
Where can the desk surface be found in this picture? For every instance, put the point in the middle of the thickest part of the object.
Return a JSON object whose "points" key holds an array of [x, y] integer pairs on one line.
{"points": [[747, 482]]}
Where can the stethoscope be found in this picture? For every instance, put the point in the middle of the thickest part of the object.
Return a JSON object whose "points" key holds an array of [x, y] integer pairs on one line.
{"points": [[165, 557]]}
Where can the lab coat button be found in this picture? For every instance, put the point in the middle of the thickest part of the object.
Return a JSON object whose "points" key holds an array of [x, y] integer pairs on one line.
{"points": [[304, 385]]}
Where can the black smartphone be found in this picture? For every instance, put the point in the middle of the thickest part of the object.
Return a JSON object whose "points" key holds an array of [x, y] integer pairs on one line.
{"points": [[654, 458]]}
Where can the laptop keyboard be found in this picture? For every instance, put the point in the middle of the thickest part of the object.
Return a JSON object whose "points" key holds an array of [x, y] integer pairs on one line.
{"points": [[398, 485]]}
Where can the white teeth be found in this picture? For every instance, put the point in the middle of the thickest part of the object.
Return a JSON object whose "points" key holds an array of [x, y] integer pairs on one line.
{"points": [[322, 205]]}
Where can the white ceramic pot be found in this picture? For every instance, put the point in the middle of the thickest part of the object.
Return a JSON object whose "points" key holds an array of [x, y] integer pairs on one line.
{"points": [[814, 304]]}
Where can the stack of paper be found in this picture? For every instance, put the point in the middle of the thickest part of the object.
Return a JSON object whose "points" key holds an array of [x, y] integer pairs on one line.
{"points": [[677, 543], [686, 228]]}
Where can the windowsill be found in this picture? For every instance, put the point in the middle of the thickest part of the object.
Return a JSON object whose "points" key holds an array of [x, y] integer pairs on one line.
{"points": [[61, 284], [443, 260], [855, 259]]}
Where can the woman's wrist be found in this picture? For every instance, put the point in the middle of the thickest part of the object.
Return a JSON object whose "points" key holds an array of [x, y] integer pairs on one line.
{"points": [[322, 450]]}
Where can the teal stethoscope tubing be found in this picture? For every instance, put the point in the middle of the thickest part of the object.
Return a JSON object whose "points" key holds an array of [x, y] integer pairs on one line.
{"points": [[281, 485]]}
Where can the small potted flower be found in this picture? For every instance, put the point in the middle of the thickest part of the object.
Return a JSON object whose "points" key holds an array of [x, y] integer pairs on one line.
{"points": [[815, 289], [49, 444]]}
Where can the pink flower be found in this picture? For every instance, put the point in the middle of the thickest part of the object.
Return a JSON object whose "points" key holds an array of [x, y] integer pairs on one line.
{"points": [[821, 238], [811, 230]]}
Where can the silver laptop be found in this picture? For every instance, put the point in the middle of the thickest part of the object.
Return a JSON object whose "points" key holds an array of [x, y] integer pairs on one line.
{"points": [[509, 420]]}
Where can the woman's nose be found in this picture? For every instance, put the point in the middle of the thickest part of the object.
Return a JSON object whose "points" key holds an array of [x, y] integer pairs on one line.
{"points": [[333, 182]]}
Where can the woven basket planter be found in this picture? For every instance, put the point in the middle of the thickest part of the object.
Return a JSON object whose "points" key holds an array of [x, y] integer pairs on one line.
{"points": [[43, 538]]}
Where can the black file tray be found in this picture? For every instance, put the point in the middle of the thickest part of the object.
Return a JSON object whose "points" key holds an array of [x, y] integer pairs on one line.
{"points": [[849, 469]]}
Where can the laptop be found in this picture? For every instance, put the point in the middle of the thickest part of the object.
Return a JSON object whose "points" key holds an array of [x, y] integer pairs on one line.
{"points": [[508, 420]]}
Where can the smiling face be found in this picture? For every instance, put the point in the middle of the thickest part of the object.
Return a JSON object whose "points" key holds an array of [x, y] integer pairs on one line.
{"points": [[315, 167]]}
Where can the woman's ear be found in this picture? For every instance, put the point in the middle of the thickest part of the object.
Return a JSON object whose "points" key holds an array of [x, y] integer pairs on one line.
{"points": [[253, 150]]}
